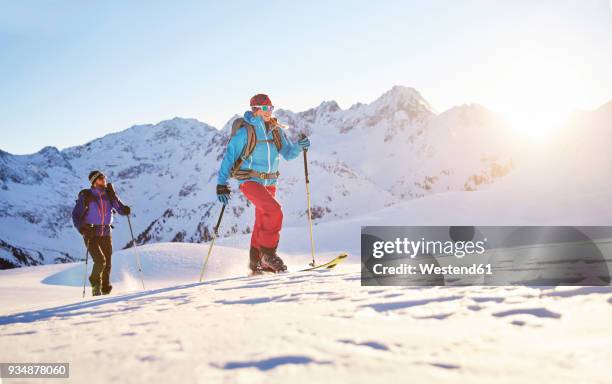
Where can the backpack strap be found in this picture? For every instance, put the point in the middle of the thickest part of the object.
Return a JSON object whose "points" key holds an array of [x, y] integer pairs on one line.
{"points": [[276, 134], [88, 197], [250, 144]]}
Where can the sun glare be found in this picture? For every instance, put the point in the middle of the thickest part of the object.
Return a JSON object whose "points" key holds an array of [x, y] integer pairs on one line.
{"points": [[537, 95]]}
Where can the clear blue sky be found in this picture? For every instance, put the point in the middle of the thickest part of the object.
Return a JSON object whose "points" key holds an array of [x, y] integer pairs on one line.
{"points": [[71, 71]]}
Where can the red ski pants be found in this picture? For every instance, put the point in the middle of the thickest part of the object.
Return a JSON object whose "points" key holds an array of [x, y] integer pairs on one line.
{"points": [[268, 214]]}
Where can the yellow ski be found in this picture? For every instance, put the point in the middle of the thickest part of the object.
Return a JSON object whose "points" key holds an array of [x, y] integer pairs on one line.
{"points": [[329, 265]]}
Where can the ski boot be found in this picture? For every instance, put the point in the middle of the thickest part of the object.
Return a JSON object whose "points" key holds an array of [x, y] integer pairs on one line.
{"points": [[271, 262], [255, 262], [254, 258], [107, 289], [95, 290]]}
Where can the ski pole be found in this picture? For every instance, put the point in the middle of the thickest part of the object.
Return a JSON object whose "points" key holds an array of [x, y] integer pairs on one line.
{"points": [[136, 255], [212, 242], [86, 258], [312, 263]]}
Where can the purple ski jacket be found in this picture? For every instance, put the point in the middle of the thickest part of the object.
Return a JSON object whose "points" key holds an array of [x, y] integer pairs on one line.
{"points": [[99, 211]]}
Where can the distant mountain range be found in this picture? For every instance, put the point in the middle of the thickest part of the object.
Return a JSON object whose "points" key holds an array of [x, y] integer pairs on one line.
{"points": [[362, 159]]}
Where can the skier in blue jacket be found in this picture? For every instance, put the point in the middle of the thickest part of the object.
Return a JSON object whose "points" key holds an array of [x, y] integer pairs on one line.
{"points": [[93, 217], [257, 176]]}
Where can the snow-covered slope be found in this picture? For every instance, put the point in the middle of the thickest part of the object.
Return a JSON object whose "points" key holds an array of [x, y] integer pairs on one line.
{"points": [[362, 159], [298, 328]]}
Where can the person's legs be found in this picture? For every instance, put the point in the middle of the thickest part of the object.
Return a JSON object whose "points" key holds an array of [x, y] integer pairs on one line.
{"points": [[272, 190], [269, 217], [256, 224], [268, 214], [106, 245], [255, 252], [97, 255]]}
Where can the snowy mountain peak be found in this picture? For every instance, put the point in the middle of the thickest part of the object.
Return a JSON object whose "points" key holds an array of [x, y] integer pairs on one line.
{"points": [[52, 157], [49, 151], [328, 107], [181, 122], [466, 109], [403, 91], [178, 125], [402, 98], [32, 169], [471, 115]]}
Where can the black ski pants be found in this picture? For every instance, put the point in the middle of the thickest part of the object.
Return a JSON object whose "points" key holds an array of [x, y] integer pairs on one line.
{"points": [[101, 251]]}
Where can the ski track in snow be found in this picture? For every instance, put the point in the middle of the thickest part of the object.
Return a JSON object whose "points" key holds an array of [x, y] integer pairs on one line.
{"points": [[303, 327]]}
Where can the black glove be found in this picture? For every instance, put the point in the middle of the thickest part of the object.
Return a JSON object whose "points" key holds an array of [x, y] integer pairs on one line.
{"points": [[87, 231], [127, 210], [223, 193], [110, 190]]}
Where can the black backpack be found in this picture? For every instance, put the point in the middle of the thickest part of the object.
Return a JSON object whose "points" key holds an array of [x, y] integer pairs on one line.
{"points": [[88, 197]]}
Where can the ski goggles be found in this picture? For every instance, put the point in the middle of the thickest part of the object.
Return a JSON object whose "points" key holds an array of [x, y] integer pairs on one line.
{"points": [[264, 108]]}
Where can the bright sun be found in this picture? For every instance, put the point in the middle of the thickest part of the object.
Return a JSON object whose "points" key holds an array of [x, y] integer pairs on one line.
{"points": [[537, 94]]}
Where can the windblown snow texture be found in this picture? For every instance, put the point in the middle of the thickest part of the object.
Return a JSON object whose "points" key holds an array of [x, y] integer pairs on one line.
{"points": [[298, 328]]}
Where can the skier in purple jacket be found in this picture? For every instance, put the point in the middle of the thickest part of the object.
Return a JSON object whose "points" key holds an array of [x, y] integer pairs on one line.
{"points": [[92, 216]]}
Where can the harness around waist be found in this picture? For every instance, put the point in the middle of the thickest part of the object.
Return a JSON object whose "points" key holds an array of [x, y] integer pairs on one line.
{"points": [[100, 225], [243, 174]]}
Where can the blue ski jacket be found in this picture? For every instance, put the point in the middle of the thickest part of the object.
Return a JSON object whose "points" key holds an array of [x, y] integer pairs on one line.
{"points": [[264, 158], [98, 212]]}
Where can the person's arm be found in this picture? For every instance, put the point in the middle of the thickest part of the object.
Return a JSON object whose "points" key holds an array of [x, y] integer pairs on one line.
{"points": [[121, 208], [116, 203], [290, 150], [232, 152]]}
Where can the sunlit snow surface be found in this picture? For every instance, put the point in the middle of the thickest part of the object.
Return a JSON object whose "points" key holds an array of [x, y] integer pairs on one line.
{"points": [[298, 327]]}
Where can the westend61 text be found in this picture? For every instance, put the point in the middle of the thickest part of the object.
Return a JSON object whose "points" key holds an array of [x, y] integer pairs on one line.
{"points": [[432, 269]]}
